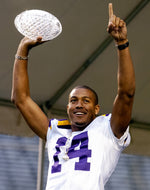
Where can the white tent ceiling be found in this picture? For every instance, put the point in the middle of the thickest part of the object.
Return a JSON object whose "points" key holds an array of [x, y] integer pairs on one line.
{"points": [[83, 54]]}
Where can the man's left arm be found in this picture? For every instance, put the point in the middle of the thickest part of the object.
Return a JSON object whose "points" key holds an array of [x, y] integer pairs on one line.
{"points": [[122, 107]]}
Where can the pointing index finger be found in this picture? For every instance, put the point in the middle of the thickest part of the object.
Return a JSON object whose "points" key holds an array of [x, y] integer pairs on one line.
{"points": [[110, 8]]}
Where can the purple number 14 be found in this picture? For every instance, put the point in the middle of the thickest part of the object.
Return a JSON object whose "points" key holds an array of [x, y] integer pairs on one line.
{"points": [[82, 152]]}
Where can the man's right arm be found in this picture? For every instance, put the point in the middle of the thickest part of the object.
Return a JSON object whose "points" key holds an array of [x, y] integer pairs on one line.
{"points": [[32, 113]]}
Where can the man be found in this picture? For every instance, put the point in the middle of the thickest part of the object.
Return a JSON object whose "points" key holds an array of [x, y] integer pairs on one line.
{"points": [[82, 153]]}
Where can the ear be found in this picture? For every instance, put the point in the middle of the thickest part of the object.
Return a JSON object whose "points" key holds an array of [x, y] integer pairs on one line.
{"points": [[67, 108], [97, 109]]}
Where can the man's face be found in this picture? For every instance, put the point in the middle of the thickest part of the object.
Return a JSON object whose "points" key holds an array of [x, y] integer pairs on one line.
{"points": [[81, 108]]}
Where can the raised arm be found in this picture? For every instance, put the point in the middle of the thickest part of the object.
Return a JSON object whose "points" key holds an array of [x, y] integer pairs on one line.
{"points": [[32, 113], [122, 107]]}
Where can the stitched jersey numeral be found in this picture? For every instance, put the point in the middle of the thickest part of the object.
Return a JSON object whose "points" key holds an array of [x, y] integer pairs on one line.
{"points": [[82, 152]]}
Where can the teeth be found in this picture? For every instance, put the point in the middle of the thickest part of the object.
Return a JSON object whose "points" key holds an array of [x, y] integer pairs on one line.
{"points": [[79, 113]]}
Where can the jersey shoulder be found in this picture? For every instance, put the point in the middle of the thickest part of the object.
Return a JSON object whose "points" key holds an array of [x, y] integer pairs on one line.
{"points": [[61, 123]]}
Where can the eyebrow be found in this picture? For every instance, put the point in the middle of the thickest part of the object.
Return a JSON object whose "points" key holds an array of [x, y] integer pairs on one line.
{"points": [[82, 97]]}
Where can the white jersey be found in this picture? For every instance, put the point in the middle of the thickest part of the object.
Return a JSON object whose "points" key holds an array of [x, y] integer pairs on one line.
{"points": [[82, 160]]}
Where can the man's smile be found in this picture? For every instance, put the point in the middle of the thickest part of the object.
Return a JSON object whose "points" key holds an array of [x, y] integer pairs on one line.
{"points": [[79, 113]]}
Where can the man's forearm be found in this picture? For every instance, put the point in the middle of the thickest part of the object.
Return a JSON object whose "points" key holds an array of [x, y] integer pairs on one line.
{"points": [[20, 86], [126, 76]]}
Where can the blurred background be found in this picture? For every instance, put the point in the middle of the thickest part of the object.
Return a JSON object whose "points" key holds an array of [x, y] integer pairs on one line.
{"points": [[84, 54]]}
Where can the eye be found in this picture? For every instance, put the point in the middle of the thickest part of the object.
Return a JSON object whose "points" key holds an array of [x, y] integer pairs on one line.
{"points": [[86, 101], [73, 100]]}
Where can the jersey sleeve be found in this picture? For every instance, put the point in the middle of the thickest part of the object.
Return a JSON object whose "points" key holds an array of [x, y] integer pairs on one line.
{"points": [[52, 124], [120, 143]]}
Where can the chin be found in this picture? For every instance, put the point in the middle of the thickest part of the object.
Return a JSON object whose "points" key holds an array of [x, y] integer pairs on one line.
{"points": [[78, 126], [81, 124]]}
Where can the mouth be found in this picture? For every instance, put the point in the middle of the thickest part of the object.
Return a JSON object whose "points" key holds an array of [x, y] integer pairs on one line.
{"points": [[79, 113]]}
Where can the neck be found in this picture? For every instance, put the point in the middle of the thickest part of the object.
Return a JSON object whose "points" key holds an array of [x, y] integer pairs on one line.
{"points": [[78, 127]]}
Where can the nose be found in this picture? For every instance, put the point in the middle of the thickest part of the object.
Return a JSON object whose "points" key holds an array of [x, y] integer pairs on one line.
{"points": [[79, 104]]}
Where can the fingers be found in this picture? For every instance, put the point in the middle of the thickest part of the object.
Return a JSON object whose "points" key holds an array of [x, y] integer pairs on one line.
{"points": [[119, 23], [122, 24], [115, 24], [112, 17], [110, 10], [29, 43], [39, 38]]}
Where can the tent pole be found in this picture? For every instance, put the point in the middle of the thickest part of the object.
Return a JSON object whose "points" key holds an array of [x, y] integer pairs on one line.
{"points": [[40, 164]]}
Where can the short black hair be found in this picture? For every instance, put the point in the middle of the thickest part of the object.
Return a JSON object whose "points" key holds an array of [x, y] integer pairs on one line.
{"points": [[89, 88]]}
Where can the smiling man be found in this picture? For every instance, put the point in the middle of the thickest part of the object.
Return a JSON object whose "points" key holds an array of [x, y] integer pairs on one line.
{"points": [[84, 151], [82, 107]]}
